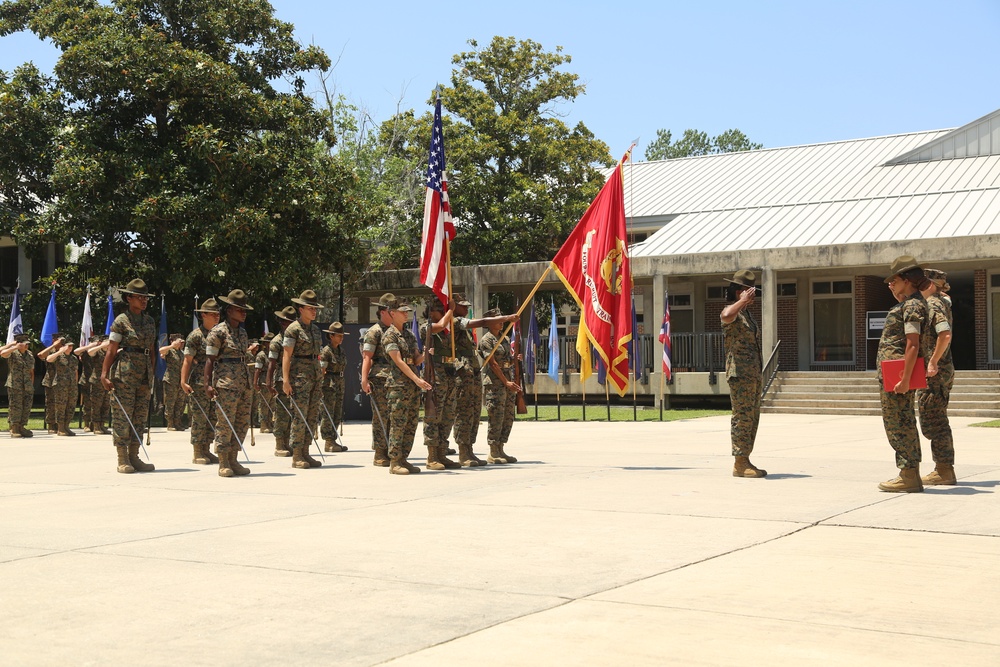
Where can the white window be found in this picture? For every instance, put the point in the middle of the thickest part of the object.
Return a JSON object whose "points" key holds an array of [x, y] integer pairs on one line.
{"points": [[681, 312], [832, 321]]}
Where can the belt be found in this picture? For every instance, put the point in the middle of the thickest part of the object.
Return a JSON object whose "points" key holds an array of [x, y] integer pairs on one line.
{"points": [[228, 360], [305, 356], [136, 350]]}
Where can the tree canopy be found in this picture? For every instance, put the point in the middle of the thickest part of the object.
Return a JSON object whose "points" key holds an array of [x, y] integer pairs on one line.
{"points": [[160, 145], [519, 178], [696, 142]]}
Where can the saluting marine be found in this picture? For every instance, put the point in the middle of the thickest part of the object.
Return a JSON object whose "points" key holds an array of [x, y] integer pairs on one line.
{"points": [[20, 384], [64, 384], [173, 398]]}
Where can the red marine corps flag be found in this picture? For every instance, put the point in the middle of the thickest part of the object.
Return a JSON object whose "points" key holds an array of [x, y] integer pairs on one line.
{"points": [[594, 266], [438, 227]]}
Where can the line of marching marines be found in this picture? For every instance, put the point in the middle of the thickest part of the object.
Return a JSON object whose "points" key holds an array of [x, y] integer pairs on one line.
{"points": [[295, 378]]}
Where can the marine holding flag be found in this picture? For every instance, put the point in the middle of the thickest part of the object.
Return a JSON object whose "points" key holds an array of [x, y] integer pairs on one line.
{"points": [[594, 266]]}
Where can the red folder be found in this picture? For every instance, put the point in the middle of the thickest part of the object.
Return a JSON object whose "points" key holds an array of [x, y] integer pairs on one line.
{"points": [[892, 373]]}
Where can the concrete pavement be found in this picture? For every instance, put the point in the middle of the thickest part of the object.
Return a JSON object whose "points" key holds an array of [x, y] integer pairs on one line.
{"points": [[606, 544]]}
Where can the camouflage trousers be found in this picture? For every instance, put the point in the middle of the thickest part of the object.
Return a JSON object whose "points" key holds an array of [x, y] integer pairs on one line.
{"points": [[468, 407], [50, 406], [901, 427], [174, 401], [333, 399], [201, 428], [745, 395], [501, 405], [133, 394], [19, 405], [934, 423], [307, 394], [234, 403], [100, 403], [282, 415], [404, 412], [380, 400], [65, 396], [437, 427], [265, 406]]}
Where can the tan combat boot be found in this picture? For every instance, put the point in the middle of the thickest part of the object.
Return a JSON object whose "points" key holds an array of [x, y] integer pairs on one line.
{"points": [[313, 463], [138, 464], [25, 431], [433, 458], [64, 430], [443, 459], [123, 461], [281, 446], [15, 431], [495, 456], [328, 446], [743, 468], [199, 455], [298, 461], [466, 458], [397, 464], [234, 462], [907, 482], [225, 469], [334, 446], [381, 459], [99, 428], [943, 474], [510, 459]]}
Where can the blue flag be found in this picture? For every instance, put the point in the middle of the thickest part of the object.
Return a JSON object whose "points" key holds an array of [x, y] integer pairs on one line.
{"points": [[111, 316], [531, 345], [415, 329], [161, 363], [634, 350], [51, 323], [554, 346], [15, 328]]}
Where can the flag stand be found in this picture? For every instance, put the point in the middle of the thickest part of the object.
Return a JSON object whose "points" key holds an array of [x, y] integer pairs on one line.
{"points": [[607, 399]]}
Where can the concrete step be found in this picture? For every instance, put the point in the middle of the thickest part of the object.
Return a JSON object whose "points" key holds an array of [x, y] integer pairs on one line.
{"points": [[822, 411]]}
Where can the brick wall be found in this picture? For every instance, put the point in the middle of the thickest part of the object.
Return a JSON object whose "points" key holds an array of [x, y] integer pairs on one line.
{"points": [[870, 293]]}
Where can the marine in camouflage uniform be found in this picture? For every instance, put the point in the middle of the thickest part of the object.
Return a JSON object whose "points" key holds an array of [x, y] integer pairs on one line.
{"points": [[64, 385], [501, 391], [83, 382], [173, 398], [47, 379], [264, 401], [403, 387], [437, 427], [100, 400], [227, 374], [333, 361], [933, 400], [282, 406], [192, 381], [128, 372], [303, 377], [20, 384], [374, 372], [904, 333], [468, 385], [744, 372]]}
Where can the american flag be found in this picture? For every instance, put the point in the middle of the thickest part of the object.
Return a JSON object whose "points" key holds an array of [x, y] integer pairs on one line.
{"points": [[665, 337], [437, 217]]}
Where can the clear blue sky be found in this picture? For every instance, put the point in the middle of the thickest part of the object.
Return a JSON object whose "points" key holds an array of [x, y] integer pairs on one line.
{"points": [[784, 72]]}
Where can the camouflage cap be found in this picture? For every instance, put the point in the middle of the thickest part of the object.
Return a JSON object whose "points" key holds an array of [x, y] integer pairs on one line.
{"points": [[398, 304], [460, 300], [493, 312]]}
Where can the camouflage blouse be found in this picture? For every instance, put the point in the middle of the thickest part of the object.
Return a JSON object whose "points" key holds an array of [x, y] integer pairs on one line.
{"points": [[135, 335], [940, 320], [404, 342], [906, 317], [504, 357], [372, 342], [230, 370], [743, 347], [306, 342], [465, 347], [65, 368], [19, 365], [174, 360], [333, 361]]}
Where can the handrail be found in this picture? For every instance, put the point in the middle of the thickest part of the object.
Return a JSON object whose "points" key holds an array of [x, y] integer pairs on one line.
{"points": [[772, 359]]}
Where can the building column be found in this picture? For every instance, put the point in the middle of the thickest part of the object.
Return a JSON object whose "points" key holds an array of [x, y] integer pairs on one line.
{"points": [[769, 311], [479, 293]]}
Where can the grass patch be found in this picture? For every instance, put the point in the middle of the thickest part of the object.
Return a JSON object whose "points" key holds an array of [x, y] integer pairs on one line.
{"points": [[599, 413], [991, 424]]}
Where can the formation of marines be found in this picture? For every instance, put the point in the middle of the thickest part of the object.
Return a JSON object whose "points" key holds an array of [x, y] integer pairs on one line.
{"points": [[294, 381]]}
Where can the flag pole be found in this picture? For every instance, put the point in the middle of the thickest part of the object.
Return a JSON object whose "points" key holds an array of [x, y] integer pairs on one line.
{"points": [[663, 387], [510, 325], [635, 381], [607, 398], [451, 294], [583, 388]]}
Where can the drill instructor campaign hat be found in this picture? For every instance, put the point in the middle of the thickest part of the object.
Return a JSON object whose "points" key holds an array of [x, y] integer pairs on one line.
{"points": [[744, 278]]}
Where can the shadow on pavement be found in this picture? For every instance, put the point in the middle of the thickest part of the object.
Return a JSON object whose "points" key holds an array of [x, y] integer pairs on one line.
{"points": [[989, 483], [651, 468], [953, 490], [783, 475], [178, 469]]}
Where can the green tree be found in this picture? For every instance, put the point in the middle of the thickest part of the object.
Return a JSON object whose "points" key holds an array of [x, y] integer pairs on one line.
{"points": [[696, 142], [161, 147], [519, 177]]}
